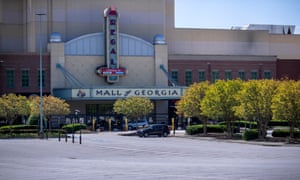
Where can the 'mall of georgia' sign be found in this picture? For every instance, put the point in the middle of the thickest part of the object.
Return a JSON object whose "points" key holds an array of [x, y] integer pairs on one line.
{"points": [[111, 69], [115, 93]]}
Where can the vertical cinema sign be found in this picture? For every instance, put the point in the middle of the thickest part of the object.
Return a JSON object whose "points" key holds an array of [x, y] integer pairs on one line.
{"points": [[111, 70]]}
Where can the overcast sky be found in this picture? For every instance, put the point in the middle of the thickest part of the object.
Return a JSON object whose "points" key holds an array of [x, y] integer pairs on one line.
{"points": [[224, 14]]}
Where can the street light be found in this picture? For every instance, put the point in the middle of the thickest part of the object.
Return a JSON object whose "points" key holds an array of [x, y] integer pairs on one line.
{"points": [[41, 86]]}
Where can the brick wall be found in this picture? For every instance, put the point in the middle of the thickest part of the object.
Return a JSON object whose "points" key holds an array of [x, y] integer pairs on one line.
{"points": [[19, 62], [221, 66]]}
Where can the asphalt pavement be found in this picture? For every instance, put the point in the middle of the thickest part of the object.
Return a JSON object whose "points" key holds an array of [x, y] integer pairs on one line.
{"points": [[107, 155]]}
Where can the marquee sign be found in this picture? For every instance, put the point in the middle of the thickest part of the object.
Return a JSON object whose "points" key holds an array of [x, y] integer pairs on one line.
{"points": [[114, 93], [111, 69]]}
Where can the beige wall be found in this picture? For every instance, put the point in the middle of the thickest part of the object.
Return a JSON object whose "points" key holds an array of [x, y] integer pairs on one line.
{"points": [[19, 28], [228, 42], [143, 71]]}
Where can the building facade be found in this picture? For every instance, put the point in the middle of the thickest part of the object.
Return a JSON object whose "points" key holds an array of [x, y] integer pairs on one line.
{"points": [[97, 51]]}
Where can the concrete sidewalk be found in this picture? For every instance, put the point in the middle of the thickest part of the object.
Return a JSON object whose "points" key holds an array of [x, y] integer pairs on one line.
{"points": [[182, 134]]}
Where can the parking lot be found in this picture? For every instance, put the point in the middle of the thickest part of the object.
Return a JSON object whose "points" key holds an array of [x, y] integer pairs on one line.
{"points": [[110, 156]]}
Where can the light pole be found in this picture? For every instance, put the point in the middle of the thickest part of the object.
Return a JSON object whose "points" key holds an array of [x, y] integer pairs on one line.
{"points": [[41, 132]]}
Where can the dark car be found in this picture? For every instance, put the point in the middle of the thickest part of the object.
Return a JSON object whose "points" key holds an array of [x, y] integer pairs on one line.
{"points": [[154, 129]]}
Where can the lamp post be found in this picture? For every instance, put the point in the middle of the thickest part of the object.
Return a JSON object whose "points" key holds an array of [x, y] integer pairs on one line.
{"points": [[41, 132]]}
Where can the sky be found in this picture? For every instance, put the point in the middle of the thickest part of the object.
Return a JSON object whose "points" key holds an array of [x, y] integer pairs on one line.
{"points": [[224, 14]]}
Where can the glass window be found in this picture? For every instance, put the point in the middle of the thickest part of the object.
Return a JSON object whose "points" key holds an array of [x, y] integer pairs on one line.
{"points": [[215, 76], [254, 75], [188, 77], [91, 109], [242, 75], [174, 75], [25, 78], [10, 78], [267, 75], [43, 78], [202, 76], [228, 75]]}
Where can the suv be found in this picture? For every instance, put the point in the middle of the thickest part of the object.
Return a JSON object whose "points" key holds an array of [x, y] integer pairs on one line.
{"points": [[154, 129], [140, 123]]}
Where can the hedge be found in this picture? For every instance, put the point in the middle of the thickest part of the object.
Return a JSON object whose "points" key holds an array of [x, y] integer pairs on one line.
{"points": [[73, 127], [18, 129], [278, 123], [250, 134], [245, 124], [285, 133], [198, 129]]}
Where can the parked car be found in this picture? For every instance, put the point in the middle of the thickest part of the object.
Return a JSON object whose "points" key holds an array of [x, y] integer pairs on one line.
{"points": [[154, 129], [141, 123]]}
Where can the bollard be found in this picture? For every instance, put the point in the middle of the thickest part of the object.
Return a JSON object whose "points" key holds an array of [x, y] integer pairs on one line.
{"points": [[59, 135], [66, 137], [80, 136]]}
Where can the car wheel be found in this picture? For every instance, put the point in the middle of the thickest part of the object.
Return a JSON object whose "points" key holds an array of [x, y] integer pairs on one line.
{"points": [[146, 134], [130, 128], [165, 134]]}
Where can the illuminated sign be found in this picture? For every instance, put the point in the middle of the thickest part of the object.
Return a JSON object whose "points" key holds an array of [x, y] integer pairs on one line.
{"points": [[111, 69]]}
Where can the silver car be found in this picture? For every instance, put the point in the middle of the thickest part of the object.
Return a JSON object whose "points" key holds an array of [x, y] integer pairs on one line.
{"points": [[140, 123]]}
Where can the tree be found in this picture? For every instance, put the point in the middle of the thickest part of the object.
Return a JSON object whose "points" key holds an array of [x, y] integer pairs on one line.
{"points": [[189, 104], [255, 103], [286, 103], [133, 107], [51, 106], [220, 100], [13, 106], [3, 105]]}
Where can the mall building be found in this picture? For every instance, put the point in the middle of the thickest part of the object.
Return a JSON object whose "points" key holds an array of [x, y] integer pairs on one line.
{"points": [[96, 51]]}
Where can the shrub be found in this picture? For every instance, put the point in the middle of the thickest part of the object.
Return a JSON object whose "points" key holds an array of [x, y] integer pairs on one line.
{"points": [[33, 120], [278, 123], [250, 134], [18, 129], [197, 129], [246, 124], [70, 127], [284, 133]]}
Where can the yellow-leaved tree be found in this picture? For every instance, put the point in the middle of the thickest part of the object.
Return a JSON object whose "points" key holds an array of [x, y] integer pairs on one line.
{"points": [[189, 104], [51, 106], [286, 103], [12, 106], [133, 107]]}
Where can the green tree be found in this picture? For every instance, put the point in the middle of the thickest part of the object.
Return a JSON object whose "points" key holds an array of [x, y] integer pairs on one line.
{"points": [[133, 107], [189, 104], [220, 100], [51, 106], [286, 103], [255, 103], [13, 106], [3, 105]]}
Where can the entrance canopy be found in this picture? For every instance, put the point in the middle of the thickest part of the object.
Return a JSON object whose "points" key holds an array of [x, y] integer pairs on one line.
{"points": [[104, 93]]}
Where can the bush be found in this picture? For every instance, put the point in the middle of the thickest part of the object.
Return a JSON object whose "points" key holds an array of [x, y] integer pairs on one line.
{"points": [[70, 127], [278, 123], [244, 124], [284, 133], [250, 134], [33, 120], [198, 129], [18, 129]]}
